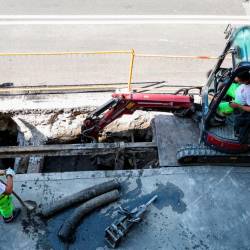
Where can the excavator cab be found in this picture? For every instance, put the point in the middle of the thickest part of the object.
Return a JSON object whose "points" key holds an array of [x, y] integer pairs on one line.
{"points": [[233, 61], [222, 144]]}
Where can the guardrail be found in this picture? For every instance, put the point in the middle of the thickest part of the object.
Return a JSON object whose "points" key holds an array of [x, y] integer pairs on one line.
{"points": [[131, 53]]}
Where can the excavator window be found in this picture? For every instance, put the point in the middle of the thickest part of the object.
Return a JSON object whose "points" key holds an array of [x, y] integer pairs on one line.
{"points": [[241, 46], [239, 51], [219, 81]]}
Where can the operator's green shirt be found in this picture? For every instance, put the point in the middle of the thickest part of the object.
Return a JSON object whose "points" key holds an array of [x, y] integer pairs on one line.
{"points": [[224, 108]]}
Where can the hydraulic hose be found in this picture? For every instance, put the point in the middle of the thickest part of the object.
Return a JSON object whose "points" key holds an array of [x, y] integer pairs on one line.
{"points": [[79, 197], [66, 233]]}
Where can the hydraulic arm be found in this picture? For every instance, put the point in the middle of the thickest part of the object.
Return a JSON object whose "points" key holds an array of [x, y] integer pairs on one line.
{"points": [[121, 104]]}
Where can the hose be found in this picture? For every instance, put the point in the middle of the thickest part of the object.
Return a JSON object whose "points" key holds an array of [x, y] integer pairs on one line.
{"points": [[66, 233], [79, 197]]}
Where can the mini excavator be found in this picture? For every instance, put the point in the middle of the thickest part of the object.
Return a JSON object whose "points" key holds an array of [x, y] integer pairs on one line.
{"points": [[216, 143]]}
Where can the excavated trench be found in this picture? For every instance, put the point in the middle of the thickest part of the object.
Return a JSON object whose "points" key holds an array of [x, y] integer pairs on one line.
{"points": [[8, 137], [41, 127]]}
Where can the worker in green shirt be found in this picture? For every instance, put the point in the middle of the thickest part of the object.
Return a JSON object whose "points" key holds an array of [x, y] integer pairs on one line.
{"points": [[7, 209]]}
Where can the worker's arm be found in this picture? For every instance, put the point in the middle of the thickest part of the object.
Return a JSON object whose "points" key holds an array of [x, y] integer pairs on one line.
{"points": [[246, 108], [9, 184], [242, 107]]}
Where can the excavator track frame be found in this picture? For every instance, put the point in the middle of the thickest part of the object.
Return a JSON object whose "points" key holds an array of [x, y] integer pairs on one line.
{"points": [[200, 153]]}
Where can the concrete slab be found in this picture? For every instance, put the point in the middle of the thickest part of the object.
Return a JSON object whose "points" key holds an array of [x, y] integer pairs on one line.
{"points": [[197, 208], [171, 133]]}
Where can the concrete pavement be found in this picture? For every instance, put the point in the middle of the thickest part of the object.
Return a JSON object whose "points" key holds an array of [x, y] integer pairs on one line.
{"points": [[197, 208]]}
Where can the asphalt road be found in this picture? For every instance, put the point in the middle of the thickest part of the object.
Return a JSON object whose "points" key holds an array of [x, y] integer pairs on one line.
{"points": [[128, 7], [173, 39]]}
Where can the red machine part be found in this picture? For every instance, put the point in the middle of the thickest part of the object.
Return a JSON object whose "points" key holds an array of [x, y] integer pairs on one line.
{"points": [[157, 100], [121, 104], [224, 145]]}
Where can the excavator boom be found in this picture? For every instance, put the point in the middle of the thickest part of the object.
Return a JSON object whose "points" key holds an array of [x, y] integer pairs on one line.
{"points": [[128, 103]]}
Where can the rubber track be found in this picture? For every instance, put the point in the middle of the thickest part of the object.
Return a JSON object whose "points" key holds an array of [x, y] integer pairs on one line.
{"points": [[198, 153]]}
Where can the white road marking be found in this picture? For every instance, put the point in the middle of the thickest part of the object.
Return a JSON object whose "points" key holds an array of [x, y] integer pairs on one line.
{"points": [[123, 19]]}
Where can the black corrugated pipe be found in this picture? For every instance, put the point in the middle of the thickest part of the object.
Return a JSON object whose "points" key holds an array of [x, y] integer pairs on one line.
{"points": [[66, 233], [79, 197]]}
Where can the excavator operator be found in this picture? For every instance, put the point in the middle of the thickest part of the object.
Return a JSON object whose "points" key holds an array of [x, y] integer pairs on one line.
{"points": [[239, 91]]}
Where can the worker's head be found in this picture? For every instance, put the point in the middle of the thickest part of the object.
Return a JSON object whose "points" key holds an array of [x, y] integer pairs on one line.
{"points": [[243, 77]]}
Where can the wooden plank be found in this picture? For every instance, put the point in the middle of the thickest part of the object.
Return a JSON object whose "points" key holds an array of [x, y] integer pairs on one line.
{"points": [[74, 149]]}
